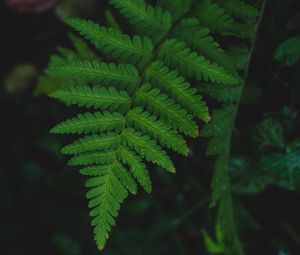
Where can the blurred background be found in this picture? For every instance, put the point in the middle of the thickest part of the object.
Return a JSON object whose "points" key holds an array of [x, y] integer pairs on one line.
{"points": [[42, 201]]}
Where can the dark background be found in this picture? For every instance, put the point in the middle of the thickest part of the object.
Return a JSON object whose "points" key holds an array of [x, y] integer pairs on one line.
{"points": [[42, 202]]}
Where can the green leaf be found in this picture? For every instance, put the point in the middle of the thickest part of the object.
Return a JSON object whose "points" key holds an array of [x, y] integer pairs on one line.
{"points": [[177, 54], [90, 123], [288, 52], [96, 97]]}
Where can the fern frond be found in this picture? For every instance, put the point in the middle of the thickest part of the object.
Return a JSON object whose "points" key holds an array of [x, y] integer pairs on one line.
{"points": [[147, 20], [93, 143], [137, 168], [157, 129], [96, 97], [98, 72], [90, 123], [167, 109], [146, 97], [106, 195], [121, 47], [148, 149], [175, 85], [177, 54]]}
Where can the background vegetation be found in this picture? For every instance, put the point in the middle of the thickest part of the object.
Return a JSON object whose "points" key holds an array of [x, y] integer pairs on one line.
{"points": [[42, 202]]}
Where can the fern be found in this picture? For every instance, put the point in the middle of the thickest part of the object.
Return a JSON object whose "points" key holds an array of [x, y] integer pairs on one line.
{"points": [[222, 125], [143, 96]]}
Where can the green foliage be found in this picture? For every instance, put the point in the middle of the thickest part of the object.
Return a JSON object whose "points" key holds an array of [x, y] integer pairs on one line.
{"points": [[274, 161], [145, 101], [288, 52]]}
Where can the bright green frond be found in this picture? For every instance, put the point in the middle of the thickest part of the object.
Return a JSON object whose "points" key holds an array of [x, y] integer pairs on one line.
{"points": [[121, 47], [93, 143], [147, 20], [90, 123], [148, 149], [148, 99], [170, 82], [96, 97], [137, 167], [160, 131], [97, 72], [178, 55]]}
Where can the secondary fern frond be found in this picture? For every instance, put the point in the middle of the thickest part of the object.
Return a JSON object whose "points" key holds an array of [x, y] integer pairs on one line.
{"points": [[146, 99]]}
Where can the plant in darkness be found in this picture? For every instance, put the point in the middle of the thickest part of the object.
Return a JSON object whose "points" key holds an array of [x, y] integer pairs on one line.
{"points": [[144, 93]]}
